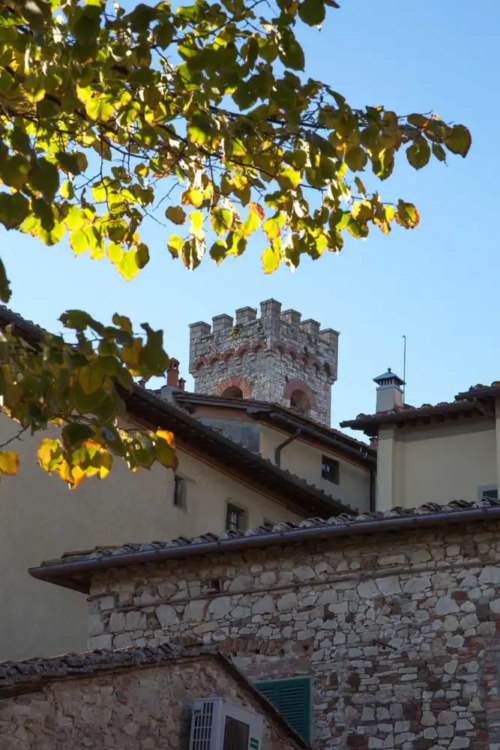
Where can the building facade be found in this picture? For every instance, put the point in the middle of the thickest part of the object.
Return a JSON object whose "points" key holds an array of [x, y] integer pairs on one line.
{"points": [[440, 452], [379, 633], [275, 358], [136, 699]]}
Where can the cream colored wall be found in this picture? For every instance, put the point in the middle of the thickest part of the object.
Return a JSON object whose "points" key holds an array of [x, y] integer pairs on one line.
{"points": [[304, 460], [436, 463], [41, 519]]}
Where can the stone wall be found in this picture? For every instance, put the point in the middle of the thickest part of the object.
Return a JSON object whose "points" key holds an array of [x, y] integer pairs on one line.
{"points": [[262, 356], [127, 708], [398, 632]]}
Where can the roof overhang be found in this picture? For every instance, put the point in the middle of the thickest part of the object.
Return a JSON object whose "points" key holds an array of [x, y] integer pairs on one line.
{"points": [[76, 574]]}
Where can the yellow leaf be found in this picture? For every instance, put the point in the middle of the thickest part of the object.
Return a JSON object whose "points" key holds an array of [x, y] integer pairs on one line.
{"points": [[270, 260], [49, 454], [165, 449], [196, 218], [9, 463]]}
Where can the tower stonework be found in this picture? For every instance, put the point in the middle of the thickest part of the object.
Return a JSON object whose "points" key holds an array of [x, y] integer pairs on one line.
{"points": [[276, 358]]}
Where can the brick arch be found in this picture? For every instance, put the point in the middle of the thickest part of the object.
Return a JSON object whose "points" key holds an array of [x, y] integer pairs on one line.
{"points": [[257, 347], [292, 352], [227, 355], [234, 381], [242, 350], [296, 384], [199, 363], [279, 347], [214, 359]]}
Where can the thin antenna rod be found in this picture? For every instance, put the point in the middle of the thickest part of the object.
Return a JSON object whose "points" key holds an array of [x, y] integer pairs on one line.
{"points": [[404, 370]]}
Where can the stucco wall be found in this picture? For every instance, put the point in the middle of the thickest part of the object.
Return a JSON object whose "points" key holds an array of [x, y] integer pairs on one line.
{"points": [[139, 709], [443, 463], [40, 518], [398, 632], [304, 460]]}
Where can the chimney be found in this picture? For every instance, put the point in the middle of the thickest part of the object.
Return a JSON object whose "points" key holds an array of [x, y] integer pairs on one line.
{"points": [[182, 384], [173, 373], [389, 393]]}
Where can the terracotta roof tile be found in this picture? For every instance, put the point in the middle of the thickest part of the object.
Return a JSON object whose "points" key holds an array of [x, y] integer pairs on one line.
{"points": [[280, 531]]}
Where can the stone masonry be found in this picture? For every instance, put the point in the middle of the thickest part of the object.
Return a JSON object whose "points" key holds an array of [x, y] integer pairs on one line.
{"points": [[132, 700], [399, 632], [266, 358]]}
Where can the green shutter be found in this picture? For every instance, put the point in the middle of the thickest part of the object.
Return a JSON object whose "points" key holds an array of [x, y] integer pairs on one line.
{"points": [[292, 698]]}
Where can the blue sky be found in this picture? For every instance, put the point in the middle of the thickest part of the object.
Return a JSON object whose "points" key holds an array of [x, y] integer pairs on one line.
{"points": [[437, 284]]}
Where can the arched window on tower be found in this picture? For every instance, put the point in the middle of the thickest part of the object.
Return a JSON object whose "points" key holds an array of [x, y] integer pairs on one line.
{"points": [[300, 402], [232, 392]]}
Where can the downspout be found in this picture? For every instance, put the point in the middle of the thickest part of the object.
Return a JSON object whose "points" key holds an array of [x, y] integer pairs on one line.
{"points": [[279, 448], [373, 484]]}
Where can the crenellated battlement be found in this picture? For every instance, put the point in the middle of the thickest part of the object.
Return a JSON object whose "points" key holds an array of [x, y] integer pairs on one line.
{"points": [[276, 347]]}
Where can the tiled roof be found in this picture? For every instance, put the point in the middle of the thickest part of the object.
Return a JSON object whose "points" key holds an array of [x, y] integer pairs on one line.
{"points": [[479, 390], [80, 564], [184, 397], [370, 422], [30, 675]]}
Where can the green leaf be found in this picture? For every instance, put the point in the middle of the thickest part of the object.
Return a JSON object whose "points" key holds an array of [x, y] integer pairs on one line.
{"points": [[153, 357], [176, 214], [419, 152], [439, 152], [5, 292], [289, 179], [99, 109], [221, 220], [14, 171], [356, 158], [291, 53], [312, 12], [90, 378], [44, 178], [74, 163], [459, 142], [13, 210], [74, 434]]}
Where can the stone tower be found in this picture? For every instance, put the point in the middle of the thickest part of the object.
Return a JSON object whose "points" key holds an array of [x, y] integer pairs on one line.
{"points": [[273, 358]]}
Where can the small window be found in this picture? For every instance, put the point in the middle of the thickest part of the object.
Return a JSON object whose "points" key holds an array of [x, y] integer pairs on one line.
{"points": [[488, 492], [235, 518], [330, 469], [179, 492], [292, 698]]}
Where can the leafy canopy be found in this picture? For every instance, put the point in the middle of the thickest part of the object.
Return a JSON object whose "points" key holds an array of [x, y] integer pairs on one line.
{"points": [[200, 117]]}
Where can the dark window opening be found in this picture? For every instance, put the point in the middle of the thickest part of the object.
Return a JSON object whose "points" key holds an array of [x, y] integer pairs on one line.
{"points": [[235, 518], [233, 392], [490, 494], [300, 402], [179, 492], [330, 469], [292, 698]]}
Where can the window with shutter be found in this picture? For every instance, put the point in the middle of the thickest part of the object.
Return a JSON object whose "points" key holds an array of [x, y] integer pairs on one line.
{"points": [[292, 698]]}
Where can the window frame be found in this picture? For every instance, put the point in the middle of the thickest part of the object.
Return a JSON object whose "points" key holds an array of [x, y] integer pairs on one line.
{"points": [[329, 461], [180, 492], [484, 488], [242, 514]]}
